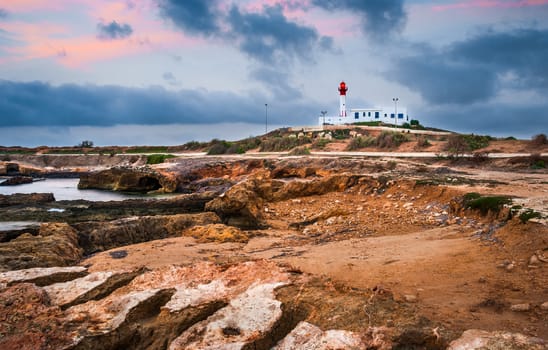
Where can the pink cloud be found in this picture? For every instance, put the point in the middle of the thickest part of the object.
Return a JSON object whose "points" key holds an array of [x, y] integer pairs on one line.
{"points": [[490, 4], [58, 42], [33, 5]]}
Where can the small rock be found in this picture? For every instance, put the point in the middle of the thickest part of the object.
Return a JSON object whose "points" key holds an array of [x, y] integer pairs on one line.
{"points": [[520, 307], [410, 298], [544, 306], [118, 254], [510, 267], [482, 280], [534, 260]]}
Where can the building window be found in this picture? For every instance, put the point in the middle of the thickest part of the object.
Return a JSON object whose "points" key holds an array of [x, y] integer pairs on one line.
{"points": [[368, 114], [364, 114], [391, 115], [357, 115], [385, 115], [400, 115], [377, 115]]}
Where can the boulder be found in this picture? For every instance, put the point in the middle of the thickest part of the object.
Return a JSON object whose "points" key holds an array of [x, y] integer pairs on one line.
{"points": [[219, 233], [129, 180], [55, 245], [99, 236], [25, 199], [478, 339], [239, 206]]}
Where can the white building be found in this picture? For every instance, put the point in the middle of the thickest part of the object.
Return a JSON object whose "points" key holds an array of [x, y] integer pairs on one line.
{"points": [[355, 115]]}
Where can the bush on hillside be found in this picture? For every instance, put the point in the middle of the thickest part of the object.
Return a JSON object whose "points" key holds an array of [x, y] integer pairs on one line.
{"points": [[280, 144], [360, 142], [389, 139], [539, 140], [158, 158]]}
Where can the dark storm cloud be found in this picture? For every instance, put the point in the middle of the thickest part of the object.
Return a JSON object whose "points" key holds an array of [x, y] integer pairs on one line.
{"points": [[270, 37], [277, 83], [41, 104], [379, 17], [192, 16], [496, 119], [477, 69], [113, 31]]}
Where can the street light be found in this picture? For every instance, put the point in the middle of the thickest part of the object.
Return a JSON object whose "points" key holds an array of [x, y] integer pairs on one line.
{"points": [[395, 99], [323, 115], [266, 118]]}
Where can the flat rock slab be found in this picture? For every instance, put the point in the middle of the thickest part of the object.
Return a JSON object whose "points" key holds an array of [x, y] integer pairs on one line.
{"points": [[248, 318], [41, 276], [307, 336], [90, 287], [477, 339]]}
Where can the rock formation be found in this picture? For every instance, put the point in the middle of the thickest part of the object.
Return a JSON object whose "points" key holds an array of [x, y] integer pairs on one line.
{"points": [[55, 245]]}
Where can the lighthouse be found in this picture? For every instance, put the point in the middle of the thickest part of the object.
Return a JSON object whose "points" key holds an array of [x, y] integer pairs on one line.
{"points": [[342, 92]]}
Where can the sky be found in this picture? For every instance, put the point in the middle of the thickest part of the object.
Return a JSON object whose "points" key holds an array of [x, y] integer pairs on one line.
{"points": [[164, 72]]}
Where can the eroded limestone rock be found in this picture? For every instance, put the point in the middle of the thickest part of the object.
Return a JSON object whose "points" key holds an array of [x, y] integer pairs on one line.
{"points": [[55, 245], [42, 276], [216, 233], [478, 339]]}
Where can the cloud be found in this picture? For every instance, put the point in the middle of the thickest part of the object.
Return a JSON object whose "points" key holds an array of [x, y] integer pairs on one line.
{"points": [[380, 18], [496, 119], [278, 83], [3, 13], [192, 16], [41, 104], [113, 31], [269, 36], [171, 79], [474, 4], [478, 68]]}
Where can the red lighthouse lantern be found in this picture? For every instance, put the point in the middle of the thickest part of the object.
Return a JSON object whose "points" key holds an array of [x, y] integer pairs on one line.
{"points": [[342, 88]]}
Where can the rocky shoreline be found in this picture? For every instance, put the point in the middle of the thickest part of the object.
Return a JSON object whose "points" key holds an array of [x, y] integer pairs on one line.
{"points": [[265, 254]]}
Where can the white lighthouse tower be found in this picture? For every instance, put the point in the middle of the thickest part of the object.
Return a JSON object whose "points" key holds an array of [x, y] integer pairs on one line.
{"points": [[342, 92]]}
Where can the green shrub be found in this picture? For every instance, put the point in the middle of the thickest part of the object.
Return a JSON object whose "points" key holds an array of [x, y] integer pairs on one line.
{"points": [[529, 214], [485, 204], [422, 141], [414, 122], [147, 149], [368, 123], [539, 140], [280, 144], [158, 158], [406, 125], [360, 142], [320, 143], [299, 151], [218, 147], [389, 139], [341, 134], [194, 145], [474, 142]]}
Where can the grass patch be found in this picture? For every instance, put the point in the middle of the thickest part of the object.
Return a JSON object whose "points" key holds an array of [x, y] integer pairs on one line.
{"points": [[389, 139], [529, 214], [360, 142], [320, 143], [280, 144], [147, 149], [485, 204], [158, 158], [378, 123], [299, 151]]}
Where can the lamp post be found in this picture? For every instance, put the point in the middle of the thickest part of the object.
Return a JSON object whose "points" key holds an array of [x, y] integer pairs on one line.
{"points": [[395, 99], [266, 118], [323, 116]]}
